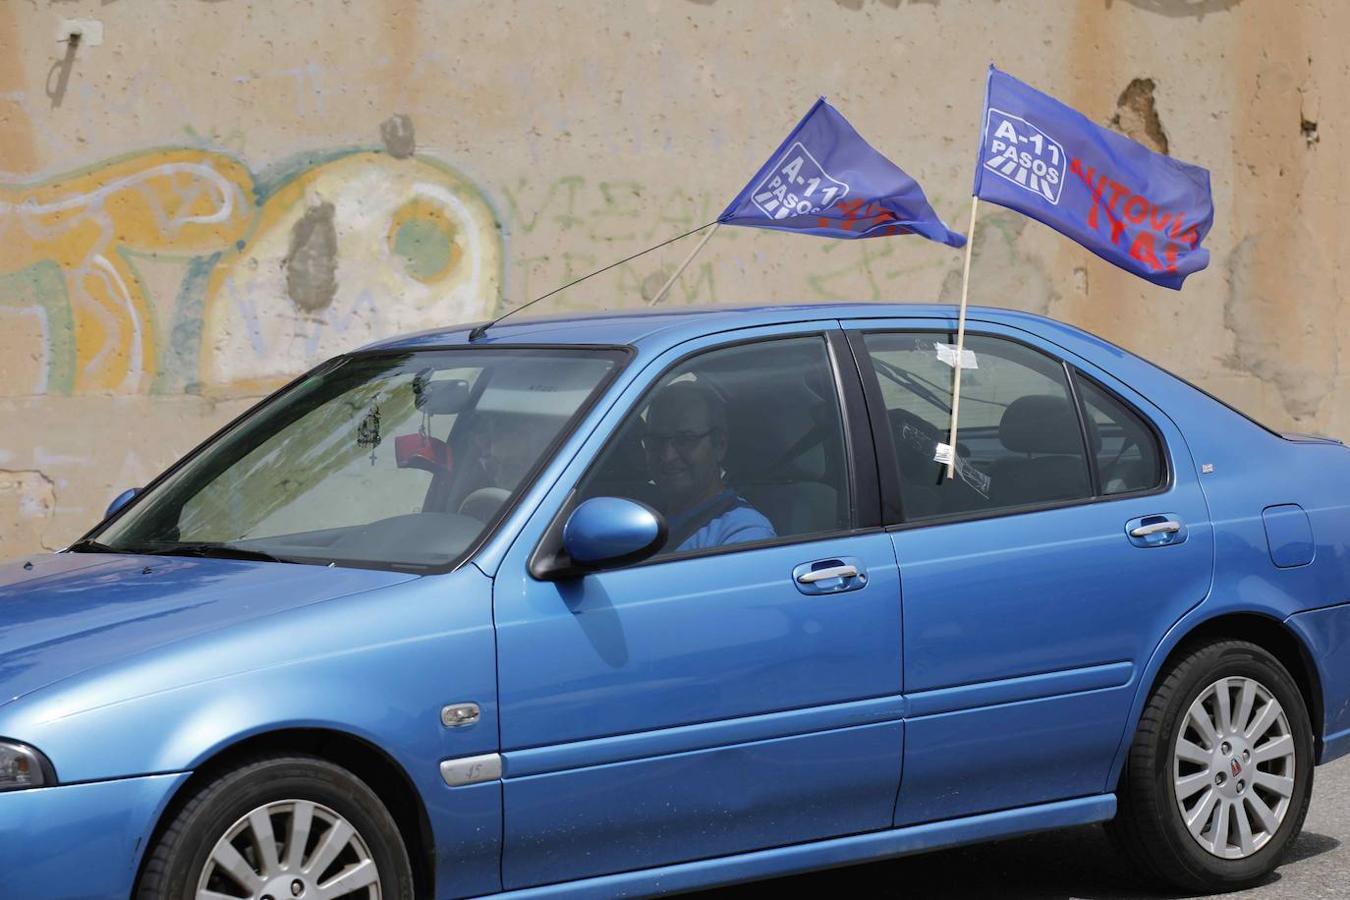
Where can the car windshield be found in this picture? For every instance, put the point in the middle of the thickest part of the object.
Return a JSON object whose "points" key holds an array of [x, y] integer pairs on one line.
{"points": [[400, 460]]}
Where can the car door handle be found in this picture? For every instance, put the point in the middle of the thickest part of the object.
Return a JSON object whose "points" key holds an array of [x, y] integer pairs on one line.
{"points": [[1158, 530], [1165, 527], [834, 575], [811, 577]]}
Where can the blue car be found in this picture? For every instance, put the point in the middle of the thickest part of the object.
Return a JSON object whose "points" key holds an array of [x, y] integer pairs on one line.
{"points": [[638, 603]]}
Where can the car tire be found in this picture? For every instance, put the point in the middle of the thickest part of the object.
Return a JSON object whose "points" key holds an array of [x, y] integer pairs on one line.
{"points": [[1216, 818], [216, 839]]}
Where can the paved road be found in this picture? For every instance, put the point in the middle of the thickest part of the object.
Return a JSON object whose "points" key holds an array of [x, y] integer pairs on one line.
{"points": [[1078, 864]]}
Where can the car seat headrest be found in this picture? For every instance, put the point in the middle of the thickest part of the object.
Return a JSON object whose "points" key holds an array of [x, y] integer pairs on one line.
{"points": [[1040, 423]]}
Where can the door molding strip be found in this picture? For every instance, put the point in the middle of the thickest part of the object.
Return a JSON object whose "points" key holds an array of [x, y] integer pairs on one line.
{"points": [[701, 736]]}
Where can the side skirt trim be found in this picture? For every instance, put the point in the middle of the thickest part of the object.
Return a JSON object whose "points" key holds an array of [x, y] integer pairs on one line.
{"points": [[834, 852]]}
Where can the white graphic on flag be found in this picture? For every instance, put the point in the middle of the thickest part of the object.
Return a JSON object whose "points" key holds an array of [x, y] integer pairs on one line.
{"points": [[1023, 154], [797, 186]]}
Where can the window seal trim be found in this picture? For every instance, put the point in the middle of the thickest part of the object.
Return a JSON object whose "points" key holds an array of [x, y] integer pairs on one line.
{"points": [[785, 541], [888, 476], [859, 440], [543, 567], [1022, 509], [1080, 411]]}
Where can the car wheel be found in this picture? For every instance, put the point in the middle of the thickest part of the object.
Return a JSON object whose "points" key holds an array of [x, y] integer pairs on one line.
{"points": [[279, 827], [1219, 776]]}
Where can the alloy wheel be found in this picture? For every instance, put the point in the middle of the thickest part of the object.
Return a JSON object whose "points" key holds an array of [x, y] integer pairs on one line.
{"points": [[290, 850], [1233, 767]]}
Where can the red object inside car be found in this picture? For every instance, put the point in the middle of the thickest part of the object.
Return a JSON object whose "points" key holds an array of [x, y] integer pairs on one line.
{"points": [[421, 451]]}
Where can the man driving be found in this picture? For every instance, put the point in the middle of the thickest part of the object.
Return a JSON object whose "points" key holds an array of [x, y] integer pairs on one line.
{"points": [[685, 443]]}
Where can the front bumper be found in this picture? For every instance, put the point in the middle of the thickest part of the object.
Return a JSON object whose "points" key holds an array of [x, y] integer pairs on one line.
{"points": [[79, 840]]}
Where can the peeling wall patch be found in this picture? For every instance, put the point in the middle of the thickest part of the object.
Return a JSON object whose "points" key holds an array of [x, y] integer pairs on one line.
{"points": [[1309, 131], [1137, 115], [398, 135], [311, 264]]}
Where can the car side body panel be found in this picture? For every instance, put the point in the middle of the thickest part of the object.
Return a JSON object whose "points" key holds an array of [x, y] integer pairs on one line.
{"points": [[654, 713], [401, 653], [1326, 632], [1009, 616], [1244, 470], [79, 841]]}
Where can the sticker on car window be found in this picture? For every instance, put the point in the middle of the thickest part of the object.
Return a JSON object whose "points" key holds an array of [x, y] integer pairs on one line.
{"points": [[972, 476], [946, 353]]}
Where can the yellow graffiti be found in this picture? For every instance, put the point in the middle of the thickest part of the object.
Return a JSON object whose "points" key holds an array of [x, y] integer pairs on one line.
{"points": [[175, 202]]}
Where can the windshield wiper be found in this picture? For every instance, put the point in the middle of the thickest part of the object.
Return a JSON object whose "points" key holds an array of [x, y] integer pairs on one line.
{"points": [[91, 546], [207, 549]]}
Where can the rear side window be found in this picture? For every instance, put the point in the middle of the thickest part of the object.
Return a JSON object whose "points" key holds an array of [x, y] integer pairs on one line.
{"points": [[1128, 455], [1021, 440]]}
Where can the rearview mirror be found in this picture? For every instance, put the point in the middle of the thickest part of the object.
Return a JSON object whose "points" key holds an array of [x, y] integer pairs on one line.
{"points": [[612, 531], [120, 501], [441, 398]]}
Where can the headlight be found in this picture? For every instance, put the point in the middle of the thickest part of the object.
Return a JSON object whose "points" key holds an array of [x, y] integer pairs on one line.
{"points": [[23, 767]]}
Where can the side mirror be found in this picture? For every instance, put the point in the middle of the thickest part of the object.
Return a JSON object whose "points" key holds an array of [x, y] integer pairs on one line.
{"points": [[612, 531], [120, 501]]}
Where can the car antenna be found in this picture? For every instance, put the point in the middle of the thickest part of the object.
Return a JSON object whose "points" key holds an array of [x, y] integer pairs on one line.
{"points": [[481, 330]]}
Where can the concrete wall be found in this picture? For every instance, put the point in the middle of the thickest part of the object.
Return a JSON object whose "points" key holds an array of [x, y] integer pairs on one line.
{"points": [[217, 194]]}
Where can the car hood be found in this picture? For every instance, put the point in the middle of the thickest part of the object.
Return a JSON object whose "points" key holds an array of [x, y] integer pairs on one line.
{"points": [[62, 614]]}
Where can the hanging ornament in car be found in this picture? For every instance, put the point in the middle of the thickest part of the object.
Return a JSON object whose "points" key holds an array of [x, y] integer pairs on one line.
{"points": [[368, 431]]}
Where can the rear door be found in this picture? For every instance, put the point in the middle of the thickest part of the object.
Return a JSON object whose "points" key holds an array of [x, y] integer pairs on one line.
{"points": [[1038, 582], [717, 698]]}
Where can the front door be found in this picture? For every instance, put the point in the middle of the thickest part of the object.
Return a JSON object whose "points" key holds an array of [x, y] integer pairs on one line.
{"points": [[1037, 582], [739, 690]]}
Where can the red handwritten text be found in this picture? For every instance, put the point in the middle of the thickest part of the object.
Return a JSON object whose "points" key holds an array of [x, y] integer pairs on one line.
{"points": [[868, 216], [1135, 222]]}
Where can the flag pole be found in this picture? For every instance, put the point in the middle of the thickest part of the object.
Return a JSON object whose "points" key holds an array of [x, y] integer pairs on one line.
{"points": [[670, 282], [961, 338]]}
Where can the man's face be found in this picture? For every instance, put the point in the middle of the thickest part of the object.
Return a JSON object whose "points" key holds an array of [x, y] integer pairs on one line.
{"points": [[684, 451]]}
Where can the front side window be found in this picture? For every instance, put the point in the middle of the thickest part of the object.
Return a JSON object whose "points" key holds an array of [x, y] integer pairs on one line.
{"points": [[393, 459], [736, 445], [1020, 440]]}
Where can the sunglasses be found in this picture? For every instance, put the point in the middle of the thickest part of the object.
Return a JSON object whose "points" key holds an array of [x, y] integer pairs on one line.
{"points": [[683, 441]]}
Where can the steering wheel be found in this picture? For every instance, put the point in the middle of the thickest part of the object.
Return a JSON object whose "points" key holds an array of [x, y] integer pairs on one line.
{"points": [[483, 503]]}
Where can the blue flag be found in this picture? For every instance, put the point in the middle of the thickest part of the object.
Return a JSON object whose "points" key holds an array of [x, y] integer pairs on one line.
{"points": [[826, 180], [1140, 210]]}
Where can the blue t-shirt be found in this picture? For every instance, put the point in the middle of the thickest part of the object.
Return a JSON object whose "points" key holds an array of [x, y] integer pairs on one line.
{"points": [[739, 524]]}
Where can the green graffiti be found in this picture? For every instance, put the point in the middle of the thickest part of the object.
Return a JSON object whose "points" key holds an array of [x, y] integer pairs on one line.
{"points": [[426, 247], [40, 291]]}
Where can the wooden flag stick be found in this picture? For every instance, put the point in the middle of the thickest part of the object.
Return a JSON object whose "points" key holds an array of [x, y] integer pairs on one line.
{"points": [[684, 265], [961, 339]]}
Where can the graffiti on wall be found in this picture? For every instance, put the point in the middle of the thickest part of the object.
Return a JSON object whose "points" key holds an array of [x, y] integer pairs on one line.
{"points": [[279, 270], [68, 242], [354, 249], [597, 220]]}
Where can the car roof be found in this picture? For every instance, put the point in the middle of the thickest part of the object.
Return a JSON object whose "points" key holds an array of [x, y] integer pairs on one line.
{"points": [[669, 326]]}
